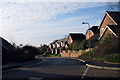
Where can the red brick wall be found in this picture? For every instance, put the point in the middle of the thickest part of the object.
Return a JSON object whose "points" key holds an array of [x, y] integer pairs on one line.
{"points": [[87, 33], [106, 34], [69, 40], [69, 54]]}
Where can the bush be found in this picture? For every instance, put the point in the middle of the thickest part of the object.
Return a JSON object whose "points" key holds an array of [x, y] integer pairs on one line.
{"points": [[75, 45], [115, 57], [85, 55], [107, 47], [93, 42], [84, 45], [31, 49], [43, 49]]}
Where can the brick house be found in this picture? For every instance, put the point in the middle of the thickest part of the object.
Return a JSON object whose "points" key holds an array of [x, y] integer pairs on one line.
{"points": [[52, 46], [75, 36], [110, 31], [93, 31], [109, 25], [61, 43], [57, 45]]}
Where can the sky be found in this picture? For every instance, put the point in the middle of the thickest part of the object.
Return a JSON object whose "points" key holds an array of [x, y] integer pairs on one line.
{"points": [[36, 23]]}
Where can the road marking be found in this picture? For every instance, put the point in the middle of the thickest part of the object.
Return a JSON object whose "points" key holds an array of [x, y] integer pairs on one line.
{"points": [[85, 72], [35, 78]]}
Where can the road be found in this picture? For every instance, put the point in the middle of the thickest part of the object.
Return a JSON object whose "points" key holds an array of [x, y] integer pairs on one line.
{"points": [[59, 68]]}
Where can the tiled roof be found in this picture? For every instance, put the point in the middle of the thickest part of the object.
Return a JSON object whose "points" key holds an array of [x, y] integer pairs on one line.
{"points": [[77, 36], [54, 42], [62, 40], [115, 29], [5, 44], [95, 29], [115, 15]]}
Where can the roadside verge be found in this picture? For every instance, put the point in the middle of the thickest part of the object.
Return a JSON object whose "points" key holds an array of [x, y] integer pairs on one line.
{"points": [[97, 66]]}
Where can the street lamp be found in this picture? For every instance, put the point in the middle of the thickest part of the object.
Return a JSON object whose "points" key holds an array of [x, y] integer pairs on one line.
{"points": [[89, 35]]}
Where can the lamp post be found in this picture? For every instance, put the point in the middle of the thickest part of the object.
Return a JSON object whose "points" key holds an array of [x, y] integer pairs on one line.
{"points": [[89, 37]]}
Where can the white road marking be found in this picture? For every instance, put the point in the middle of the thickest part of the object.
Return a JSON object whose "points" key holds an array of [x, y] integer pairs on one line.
{"points": [[85, 72]]}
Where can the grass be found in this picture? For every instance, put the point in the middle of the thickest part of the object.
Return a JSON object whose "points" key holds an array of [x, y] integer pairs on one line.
{"points": [[53, 55], [115, 57], [50, 55], [97, 58]]}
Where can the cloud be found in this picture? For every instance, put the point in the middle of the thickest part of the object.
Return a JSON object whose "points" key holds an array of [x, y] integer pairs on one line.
{"points": [[28, 21]]}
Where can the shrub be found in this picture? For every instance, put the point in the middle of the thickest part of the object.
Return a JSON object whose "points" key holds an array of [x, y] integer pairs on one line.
{"points": [[93, 43], [75, 45], [107, 47], [31, 49], [85, 55], [84, 45], [115, 57], [43, 49]]}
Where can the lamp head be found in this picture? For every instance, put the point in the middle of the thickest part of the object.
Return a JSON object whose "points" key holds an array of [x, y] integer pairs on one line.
{"points": [[83, 22]]}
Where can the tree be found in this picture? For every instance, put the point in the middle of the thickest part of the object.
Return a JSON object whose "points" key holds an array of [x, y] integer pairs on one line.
{"points": [[93, 42], [43, 48], [75, 45]]}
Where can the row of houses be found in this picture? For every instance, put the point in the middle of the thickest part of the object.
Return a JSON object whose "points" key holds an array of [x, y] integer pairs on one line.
{"points": [[57, 45], [109, 26]]}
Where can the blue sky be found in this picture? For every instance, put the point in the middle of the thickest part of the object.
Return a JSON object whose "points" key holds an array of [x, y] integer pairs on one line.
{"points": [[36, 23]]}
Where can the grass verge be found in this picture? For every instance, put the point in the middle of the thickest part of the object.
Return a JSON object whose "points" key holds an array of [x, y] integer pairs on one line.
{"points": [[115, 57]]}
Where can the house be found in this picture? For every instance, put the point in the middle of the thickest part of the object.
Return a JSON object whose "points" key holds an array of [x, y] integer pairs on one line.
{"points": [[5, 46], [110, 31], [109, 24], [75, 36], [92, 31], [52, 46], [61, 43], [57, 45]]}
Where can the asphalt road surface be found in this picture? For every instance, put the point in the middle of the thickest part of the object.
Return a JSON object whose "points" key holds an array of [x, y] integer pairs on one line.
{"points": [[59, 68]]}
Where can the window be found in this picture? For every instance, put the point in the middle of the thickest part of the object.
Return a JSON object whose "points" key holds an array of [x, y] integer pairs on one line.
{"points": [[91, 35], [71, 40], [87, 35], [102, 30]]}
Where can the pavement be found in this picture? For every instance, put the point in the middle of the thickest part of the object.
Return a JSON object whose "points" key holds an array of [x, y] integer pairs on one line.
{"points": [[100, 64], [11, 65]]}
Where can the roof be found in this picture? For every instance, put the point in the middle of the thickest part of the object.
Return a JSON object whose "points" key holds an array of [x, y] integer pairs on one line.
{"points": [[115, 15], [54, 42], [77, 36], [62, 40], [5, 44], [115, 29], [94, 29]]}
